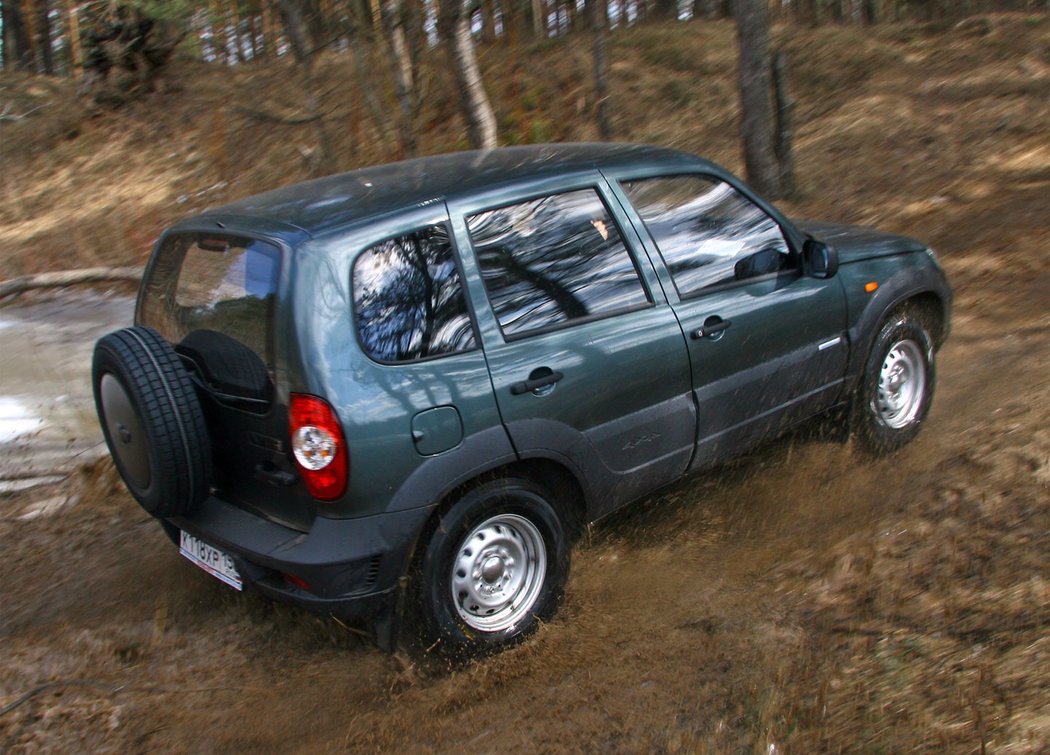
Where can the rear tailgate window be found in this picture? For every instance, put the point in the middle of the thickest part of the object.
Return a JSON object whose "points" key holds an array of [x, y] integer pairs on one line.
{"points": [[213, 297]]}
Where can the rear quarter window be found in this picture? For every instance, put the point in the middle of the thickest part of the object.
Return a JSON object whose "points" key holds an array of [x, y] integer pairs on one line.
{"points": [[408, 298]]}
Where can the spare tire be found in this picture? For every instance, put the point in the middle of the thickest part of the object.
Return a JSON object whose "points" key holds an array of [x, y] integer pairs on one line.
{"points": [[152, 420]]}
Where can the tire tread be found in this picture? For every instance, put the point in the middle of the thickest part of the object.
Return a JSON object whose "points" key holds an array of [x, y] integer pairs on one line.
{"points": [[173, 420]]}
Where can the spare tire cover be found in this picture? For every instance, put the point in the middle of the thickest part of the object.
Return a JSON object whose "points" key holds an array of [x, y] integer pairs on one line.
{"points": [[152, 420]]}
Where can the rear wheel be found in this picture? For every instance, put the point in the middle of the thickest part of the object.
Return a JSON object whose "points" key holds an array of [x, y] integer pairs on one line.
{"points": [[897, 386], [493, 569], [151, 420]]}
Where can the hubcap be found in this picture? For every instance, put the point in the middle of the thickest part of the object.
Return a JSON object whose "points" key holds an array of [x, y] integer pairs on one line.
{"points": [[902, 384], [126, 431], [498, 573]]}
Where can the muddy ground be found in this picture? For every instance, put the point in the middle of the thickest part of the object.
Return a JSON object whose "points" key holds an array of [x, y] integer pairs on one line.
{"points": [[806, 598]]}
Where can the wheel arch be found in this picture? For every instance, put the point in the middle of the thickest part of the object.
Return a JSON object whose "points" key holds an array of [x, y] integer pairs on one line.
{"points": [[548, 473], [932, 309], [566, 489], [931, 299]]}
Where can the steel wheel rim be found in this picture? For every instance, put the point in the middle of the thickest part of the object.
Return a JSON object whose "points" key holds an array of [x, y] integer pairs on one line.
{"points": [[498, 573], [902, 384]]}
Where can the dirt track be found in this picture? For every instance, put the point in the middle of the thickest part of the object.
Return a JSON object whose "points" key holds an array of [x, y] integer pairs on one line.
{"points": [[690, 618], [805, 597]]}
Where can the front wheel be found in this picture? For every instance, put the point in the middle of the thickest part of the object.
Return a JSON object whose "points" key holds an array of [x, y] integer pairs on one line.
{"points": [[896, 389], [493, 569]]}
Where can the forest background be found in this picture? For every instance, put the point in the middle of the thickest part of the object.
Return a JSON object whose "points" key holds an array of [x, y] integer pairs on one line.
{"points": [[120, 50]]}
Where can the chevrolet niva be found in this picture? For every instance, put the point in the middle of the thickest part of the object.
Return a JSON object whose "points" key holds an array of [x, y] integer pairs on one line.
{"points": [[395, 395]]}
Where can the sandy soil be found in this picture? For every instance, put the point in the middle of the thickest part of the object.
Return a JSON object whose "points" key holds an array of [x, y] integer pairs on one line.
{"points": [[805, 598]]}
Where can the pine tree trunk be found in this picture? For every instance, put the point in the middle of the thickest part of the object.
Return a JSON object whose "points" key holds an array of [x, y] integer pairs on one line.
{"points": [[599, 21], [268, 40], [664, 10], [293, 29], [783, 144], [315, 22], [18, 52], [869, 12], [43, 26], [253, 34], [712, 9], [539, 18], [488, 20], [76, 55], [454, 26], [238, 33], [756, 118], [29, 18]]}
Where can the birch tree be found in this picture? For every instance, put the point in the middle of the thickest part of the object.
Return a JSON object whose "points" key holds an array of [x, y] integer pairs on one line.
{"points": [[405, 74], [454, 29]]}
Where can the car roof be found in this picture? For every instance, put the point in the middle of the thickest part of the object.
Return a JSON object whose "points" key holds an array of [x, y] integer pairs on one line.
{"points": [[326, 203]]}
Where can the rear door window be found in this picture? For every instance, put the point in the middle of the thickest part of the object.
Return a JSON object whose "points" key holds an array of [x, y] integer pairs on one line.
{"points": [[554, 260]]}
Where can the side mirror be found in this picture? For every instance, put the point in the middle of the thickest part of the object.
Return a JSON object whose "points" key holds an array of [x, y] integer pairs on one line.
{"points": [[819, 260]]}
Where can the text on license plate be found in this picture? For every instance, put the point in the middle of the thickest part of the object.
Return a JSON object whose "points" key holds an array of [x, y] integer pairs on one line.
{"points": [[211, 559]]}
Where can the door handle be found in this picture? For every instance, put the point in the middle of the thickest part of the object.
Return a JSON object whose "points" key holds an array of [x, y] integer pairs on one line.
{"points": [[712, 327], [538, 379]]}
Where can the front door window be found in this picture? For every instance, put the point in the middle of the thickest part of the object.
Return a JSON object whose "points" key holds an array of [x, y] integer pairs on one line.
{"points": [[708, 233]]}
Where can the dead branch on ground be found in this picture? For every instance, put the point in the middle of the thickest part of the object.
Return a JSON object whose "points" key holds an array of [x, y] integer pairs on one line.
{"points": [[64, 278], [282, 120]]}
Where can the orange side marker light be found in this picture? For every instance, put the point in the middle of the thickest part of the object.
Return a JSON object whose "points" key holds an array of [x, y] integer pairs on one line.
{"points": [[870, 287]]}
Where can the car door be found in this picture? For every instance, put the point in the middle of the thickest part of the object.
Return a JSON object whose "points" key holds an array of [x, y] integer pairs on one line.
{"points": [[766, 343], [587, 360]]}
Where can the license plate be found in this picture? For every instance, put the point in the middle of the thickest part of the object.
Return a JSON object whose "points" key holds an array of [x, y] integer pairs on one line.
{"points": [[214, 561]]}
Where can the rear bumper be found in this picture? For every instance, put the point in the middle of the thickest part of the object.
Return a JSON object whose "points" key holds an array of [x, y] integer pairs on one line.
{"points": [[351, 567]]}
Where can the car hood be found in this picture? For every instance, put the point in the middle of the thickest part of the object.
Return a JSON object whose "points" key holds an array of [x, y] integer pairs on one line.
{"points": [[854, 242]]}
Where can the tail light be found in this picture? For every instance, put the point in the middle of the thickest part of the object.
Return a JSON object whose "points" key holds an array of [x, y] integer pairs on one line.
{"points": [[318, 446]]}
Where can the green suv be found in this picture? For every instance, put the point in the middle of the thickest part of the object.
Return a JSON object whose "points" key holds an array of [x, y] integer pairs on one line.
{"points": [[395, 395]]}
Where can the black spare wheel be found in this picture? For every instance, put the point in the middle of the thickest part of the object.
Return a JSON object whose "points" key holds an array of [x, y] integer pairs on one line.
{"points": [[152, 420]]}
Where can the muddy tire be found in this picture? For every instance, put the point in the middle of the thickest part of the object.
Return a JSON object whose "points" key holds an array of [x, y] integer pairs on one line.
{"points": [[152, 421], [494, 567], [896, 389]]}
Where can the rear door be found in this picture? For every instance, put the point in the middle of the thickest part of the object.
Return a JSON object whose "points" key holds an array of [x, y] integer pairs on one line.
{"points": [[214, 297], [766, 343], [587, 360]]}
